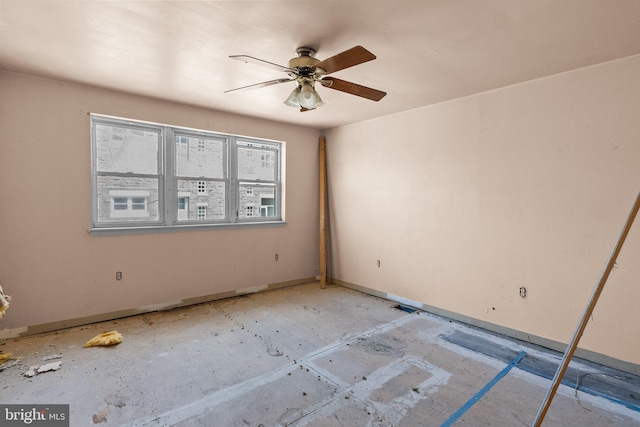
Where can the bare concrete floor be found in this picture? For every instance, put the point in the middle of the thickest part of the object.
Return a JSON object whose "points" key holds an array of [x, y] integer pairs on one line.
{"points": [[298, 356]]}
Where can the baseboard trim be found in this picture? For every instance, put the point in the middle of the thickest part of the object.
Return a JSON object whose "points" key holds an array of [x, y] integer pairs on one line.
{"points": [[104, 317], [581, 353], [509, 332]]}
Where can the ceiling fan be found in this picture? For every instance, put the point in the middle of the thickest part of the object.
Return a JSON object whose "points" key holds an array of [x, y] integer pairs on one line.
{"points": [[306, 70]]}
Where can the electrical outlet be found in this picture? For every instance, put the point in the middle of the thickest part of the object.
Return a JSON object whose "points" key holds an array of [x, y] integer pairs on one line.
{"points": [[118, 275], [276, 257], [523, 292], [378, 263]]}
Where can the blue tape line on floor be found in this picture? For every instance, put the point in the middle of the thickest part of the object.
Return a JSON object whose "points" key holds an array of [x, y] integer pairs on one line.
{"points": [[583, 389], [484, 390]]}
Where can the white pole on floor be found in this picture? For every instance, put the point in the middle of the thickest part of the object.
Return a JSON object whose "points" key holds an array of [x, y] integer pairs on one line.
{"points": [[571, 348]]}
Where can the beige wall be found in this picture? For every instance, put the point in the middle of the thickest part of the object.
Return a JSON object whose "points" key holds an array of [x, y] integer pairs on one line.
{"points": [[55, 270], [466, 201], [462, 202]]}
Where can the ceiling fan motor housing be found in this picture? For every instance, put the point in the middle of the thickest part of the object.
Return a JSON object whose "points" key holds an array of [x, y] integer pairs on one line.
{"points": [[304, 62]]}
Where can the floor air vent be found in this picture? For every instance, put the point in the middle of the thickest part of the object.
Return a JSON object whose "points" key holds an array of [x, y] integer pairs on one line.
{"points": [[405, 308]]}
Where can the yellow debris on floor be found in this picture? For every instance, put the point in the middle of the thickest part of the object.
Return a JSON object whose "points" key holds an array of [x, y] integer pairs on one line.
{"points": [[4, 357], [108, 338]]}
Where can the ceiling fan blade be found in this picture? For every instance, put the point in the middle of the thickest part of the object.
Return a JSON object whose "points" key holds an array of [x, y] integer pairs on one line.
{"points": [[348, 58], [259, 85], [252, 60], [353, 88]]}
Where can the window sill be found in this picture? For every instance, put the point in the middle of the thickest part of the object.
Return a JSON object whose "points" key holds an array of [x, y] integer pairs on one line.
{"points": [[153, 229]]}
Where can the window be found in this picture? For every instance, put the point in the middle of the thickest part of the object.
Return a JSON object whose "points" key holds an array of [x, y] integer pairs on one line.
{"points": [[202, 212], [148, 176], [267, 207], [258, 179], [128, 205], [183, 206], [182, 202]]}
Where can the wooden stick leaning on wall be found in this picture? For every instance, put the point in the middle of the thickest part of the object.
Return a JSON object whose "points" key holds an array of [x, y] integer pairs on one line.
{"points": [[323, 213], [571, 348]]}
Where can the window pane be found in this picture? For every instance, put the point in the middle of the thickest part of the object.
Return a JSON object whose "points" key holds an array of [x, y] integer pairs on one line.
{"points": [[120, 203], [121, 149], [259, 202], [127, 199], [183, 207], [138, 203], [199, 157], [257, 164], [213, 199]]}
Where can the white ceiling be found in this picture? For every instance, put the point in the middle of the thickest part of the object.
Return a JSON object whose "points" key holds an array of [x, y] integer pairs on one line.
{"points": [[428, 51]]}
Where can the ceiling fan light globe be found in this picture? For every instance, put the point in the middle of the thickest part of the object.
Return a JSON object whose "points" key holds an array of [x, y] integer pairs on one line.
{"points": [[304, 96], [307, 91], [312, 102], [292, 100]]}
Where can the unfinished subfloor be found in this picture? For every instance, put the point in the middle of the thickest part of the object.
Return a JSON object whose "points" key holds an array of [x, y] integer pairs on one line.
{"points": [[301, 356]]}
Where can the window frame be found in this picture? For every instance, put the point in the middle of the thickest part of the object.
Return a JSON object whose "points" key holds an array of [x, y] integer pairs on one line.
{"points": [[168, 177]]}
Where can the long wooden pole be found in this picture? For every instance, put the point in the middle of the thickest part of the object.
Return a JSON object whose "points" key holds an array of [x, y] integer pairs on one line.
{"points": [[323, 213], [571, 348]]}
